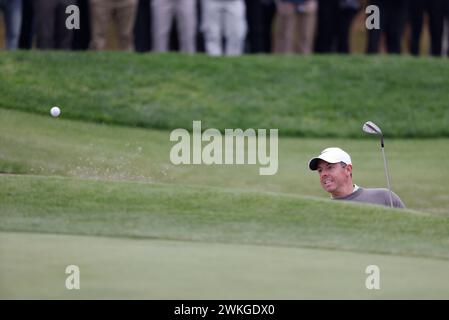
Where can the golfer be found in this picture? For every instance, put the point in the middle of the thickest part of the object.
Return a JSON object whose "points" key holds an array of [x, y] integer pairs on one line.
{"points": [[335, 169]]}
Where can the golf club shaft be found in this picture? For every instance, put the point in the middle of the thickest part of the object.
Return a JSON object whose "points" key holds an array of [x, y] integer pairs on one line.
{"points": [[388, 175]]}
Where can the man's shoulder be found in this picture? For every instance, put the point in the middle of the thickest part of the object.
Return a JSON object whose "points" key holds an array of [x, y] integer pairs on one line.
{"points": [[374, 190], [378, 191], [383, 193], [371, 193], [379, 196]]}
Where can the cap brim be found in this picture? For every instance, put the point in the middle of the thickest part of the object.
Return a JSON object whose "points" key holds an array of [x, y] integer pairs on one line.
{"points": [[313, 164]]}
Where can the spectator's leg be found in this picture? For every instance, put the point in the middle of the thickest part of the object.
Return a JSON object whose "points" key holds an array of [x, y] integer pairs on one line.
{"points": [[200, 47], [81, 37], [142, 27], [269, 11], [235, 27], [186, 21], [416, 13], [285, 29], [373, 41], [307, 24], [436, 25], [63, 36], [396, 16], [162, 18], [100, 13], [212, 27], [445, 41], [260, 16], [344, 30], [327, 21], [125, 14], [27, 28], [254, 19], [374, 35], [445, 37], [45, 23], [13, 21]]}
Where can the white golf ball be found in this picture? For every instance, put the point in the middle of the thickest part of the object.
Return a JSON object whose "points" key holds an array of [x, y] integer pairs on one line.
{"points": [[55, 112]]}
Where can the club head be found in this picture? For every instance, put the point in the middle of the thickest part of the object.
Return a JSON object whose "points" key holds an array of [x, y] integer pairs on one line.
{"points": [[371, 128]]}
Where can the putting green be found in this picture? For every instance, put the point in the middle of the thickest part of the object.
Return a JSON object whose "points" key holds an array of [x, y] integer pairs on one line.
{"points": [[33, 266]]}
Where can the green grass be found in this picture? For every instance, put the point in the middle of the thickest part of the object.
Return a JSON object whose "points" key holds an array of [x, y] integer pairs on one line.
{"points": [[319, 96], [165, 241], [119, 268], [33, 144], [91, 189], [180, 212]]}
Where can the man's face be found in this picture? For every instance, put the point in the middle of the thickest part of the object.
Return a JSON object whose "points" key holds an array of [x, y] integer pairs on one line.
{"points": [[335, 178]]}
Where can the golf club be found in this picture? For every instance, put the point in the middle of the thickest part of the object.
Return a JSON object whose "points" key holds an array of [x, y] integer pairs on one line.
{"points": [[371, 128]]}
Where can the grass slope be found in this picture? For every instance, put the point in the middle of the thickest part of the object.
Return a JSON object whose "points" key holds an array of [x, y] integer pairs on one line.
{"points": [[319, 96], [169, 228], [33, 144], [125, 209]]}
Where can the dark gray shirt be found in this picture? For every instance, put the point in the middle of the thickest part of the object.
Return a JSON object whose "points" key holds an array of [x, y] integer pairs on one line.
{"points": [[375, 196]]}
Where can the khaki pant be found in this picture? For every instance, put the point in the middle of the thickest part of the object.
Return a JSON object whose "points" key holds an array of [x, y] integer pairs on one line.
{"points": [[122, 13], [163, 12], [291, 22]]}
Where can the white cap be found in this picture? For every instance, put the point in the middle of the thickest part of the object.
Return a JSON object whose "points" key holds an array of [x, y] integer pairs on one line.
{"points": [[331, 155]]}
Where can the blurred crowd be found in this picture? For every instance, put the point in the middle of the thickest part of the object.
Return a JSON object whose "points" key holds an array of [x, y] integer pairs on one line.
{"points": [[223, 27]]}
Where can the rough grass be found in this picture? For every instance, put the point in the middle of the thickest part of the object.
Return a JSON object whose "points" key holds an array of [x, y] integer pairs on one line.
{"points": [[319, 96], [180, 212], [33, 144]]}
